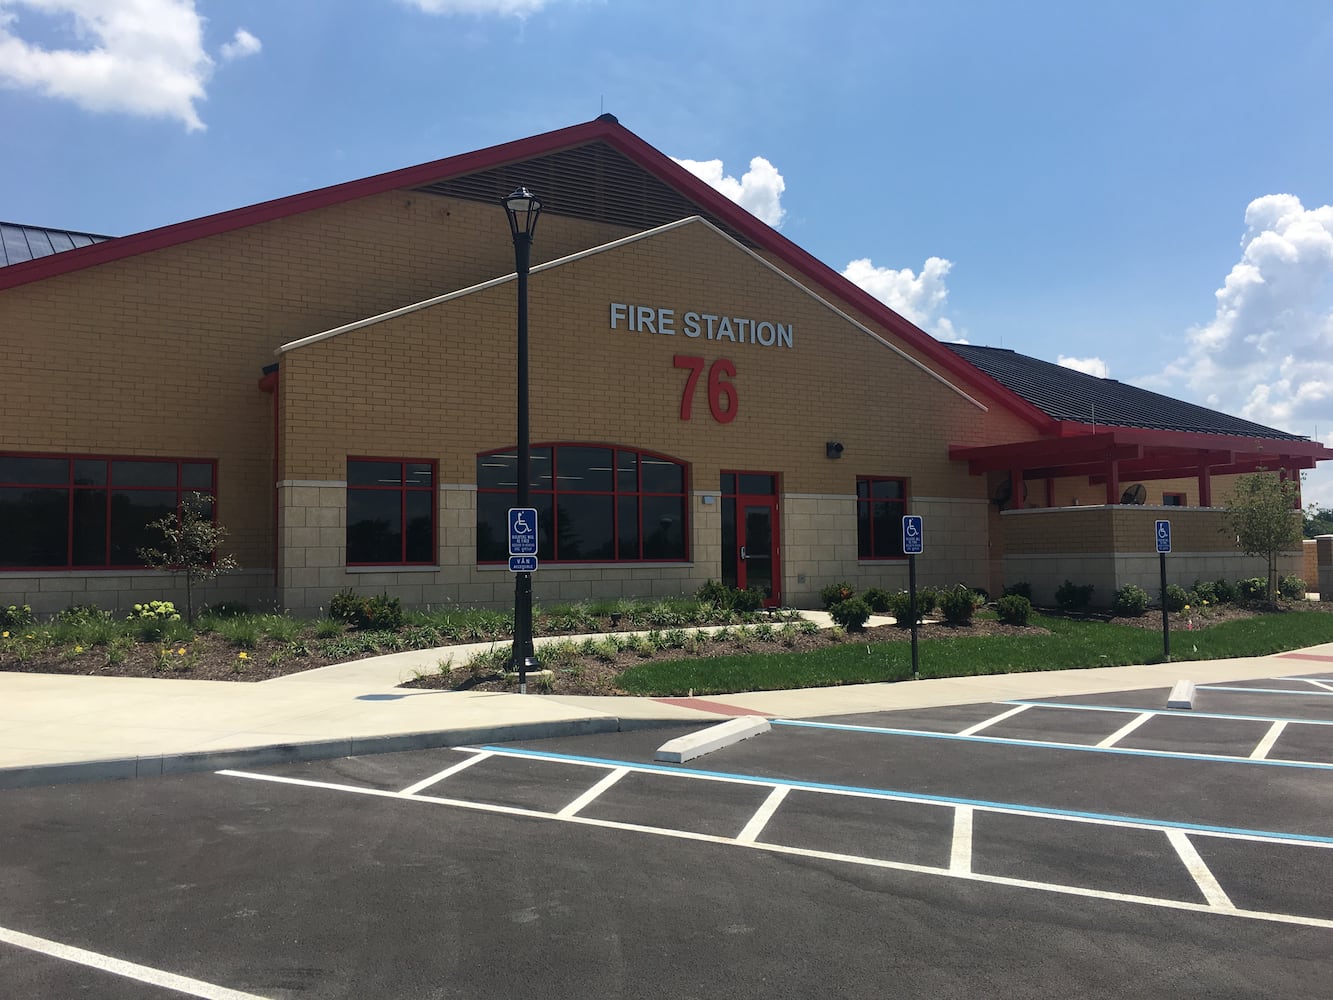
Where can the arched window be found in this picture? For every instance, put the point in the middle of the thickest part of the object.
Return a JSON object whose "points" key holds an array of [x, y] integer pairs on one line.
{"points": [[595, 503]]}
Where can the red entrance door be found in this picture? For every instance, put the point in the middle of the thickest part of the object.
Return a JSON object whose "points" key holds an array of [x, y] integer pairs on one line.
{"points": [[750, 552]]}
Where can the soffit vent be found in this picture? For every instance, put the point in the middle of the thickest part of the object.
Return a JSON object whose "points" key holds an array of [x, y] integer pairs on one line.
{"points": [[592, 181]]}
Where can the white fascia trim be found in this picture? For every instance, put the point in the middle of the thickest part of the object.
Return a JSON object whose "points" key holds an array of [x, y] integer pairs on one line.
{"points": [[614, 245], [450, 296]]}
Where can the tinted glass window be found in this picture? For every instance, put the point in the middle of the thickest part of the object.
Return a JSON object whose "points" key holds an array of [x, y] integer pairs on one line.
{"points": [[36, 524], [595, 508], [374, 526], [131, 513], [144, 474], [197, 476], [362, 473], [34, 471], [584, 469]]}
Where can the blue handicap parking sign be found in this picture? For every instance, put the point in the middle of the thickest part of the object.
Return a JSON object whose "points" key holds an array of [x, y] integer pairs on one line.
{"points": [[914, 542], [522, 531], [522, 564], [1163, 536]]}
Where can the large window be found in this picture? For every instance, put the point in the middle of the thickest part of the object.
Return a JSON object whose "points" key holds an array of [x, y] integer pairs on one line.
{"points": [[390, 512], [881, 503], [595, 503], [78, 512]]}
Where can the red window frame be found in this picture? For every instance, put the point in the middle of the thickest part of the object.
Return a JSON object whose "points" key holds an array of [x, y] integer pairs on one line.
{"points": [[109, 487], [403, 489], [616, 493], [869, 521]]}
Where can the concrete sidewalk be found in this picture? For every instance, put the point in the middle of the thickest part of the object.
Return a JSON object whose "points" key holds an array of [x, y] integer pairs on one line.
{"points": [[60, 728]]}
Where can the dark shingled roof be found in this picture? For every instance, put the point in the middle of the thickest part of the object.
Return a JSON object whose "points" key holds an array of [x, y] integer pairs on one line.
{"points": [[20, 243], [1065, 394]]}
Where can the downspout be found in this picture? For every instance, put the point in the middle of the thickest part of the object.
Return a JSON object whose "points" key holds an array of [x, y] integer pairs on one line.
{"points": [[269, 383]]}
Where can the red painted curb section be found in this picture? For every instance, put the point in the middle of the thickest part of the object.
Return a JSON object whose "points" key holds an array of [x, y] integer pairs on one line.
{"points": [[1307, 656], [703, 705]]}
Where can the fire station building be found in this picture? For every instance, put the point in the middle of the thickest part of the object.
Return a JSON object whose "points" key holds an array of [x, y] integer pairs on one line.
{"points": [[707, 400]]}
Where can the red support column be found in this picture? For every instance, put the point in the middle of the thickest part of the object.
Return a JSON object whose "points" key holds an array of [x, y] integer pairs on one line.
{"points": [[1113, 481]]}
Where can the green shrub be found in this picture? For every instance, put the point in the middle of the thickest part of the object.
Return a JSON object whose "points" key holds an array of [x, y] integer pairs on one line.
{"points": [[1070, 596], [927, 598], [16, 616], [1226, 591], [1292, 588], [345, 606], [716, 593], [877, 599], [957, 604], [836, 593], [83, 614], [1253, 589], [1019, 589], [851, 614], [900, 606], [1176, 598], [366, 613], [1013, 609], [747, 600], [1130, 601], [1204, 591]]}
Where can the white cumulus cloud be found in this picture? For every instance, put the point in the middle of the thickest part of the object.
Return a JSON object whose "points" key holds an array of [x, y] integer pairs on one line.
{"points": [[143, 57], [243, 44], [518, 8], [759, 190], [1088, 366], [1267, 352], [919, 298]]}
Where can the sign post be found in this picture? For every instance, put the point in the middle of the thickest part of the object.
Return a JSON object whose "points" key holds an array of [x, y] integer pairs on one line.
{"points": [[523, 561], [1163, 533], [913, 545]]}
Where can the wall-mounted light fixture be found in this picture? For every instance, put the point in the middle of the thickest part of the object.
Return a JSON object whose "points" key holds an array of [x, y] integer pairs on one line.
{"points": [[833, 449]]}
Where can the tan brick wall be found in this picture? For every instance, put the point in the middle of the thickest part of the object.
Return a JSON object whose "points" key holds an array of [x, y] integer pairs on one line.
{"points": [[160, 353], [590, 383]]}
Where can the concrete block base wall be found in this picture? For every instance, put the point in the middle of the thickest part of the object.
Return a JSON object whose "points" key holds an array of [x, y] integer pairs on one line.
{"points": [[1108, 572], [118, 591]]}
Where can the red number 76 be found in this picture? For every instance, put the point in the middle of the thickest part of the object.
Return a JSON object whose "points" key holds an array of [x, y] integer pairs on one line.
{"points": [[718, 390]]}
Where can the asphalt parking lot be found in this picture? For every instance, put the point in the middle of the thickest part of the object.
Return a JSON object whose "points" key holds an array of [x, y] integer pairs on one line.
{"points": [[1096, 846]]}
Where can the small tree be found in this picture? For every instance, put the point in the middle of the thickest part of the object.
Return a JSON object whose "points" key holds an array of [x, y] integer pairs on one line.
{"points": [[1264, 515], [191, 542]]}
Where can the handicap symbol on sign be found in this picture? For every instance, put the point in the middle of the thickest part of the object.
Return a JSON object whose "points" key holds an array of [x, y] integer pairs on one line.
{"points": [[521, 526], [912, 529], [1163, 530]]}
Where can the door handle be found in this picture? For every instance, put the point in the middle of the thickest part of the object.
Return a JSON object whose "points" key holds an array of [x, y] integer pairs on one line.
{"points": [[743, 555]]}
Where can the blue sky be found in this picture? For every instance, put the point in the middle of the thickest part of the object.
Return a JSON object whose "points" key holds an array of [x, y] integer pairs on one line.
{"points": [[1144, 189]]}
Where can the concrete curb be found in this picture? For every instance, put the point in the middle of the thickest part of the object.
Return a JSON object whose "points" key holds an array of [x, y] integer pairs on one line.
{"points": [[161, 765]]}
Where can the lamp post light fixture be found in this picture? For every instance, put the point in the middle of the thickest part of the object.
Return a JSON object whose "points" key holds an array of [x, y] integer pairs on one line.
{"points": [[523, 207]]}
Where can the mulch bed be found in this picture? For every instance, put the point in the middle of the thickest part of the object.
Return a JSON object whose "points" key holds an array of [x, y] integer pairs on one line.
{"points": [[212, 659]]}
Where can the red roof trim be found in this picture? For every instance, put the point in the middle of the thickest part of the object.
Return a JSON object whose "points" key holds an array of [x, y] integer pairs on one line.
{"points": [[605, 129]]}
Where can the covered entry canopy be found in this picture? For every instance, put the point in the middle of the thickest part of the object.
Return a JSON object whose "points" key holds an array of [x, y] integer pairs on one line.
{"points": [[1114, 433]]}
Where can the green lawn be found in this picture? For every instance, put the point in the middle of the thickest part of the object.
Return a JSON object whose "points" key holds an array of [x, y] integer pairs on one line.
{"points": [[1071, 645]]}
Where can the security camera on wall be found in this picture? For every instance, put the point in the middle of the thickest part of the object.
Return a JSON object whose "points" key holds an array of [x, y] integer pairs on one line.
{"points": [[833, 449]]}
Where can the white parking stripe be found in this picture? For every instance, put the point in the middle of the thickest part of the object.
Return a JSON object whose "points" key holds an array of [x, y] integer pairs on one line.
{"points": [[119, 967], [1125, 730], [577, 805], [1203, 878], [460, 766], [1310, 680], [1249, 690], [1068, 890], [1170, 713], [762, 815], [1266, 744], [960, 854], [889, 795], [972, 730]]}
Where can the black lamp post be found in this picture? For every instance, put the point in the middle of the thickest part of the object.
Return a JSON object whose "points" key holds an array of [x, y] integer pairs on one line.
{"points": [[523, 207]]}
